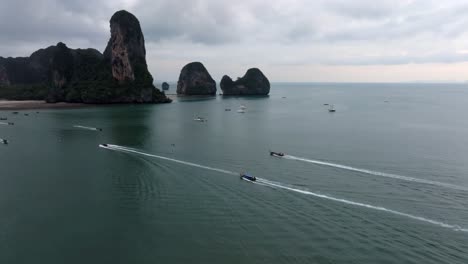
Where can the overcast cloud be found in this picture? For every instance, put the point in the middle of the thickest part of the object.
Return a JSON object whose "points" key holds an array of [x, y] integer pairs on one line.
{"points": [[290, 40]]}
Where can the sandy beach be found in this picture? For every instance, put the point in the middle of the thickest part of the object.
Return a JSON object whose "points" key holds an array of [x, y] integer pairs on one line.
{"points": [[32, 104]]}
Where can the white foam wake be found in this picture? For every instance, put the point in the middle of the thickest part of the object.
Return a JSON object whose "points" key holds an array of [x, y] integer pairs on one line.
{"points": [[377, 173], [379, 208], [168, 159], [265, 182], [3, 123], [87, 128]]}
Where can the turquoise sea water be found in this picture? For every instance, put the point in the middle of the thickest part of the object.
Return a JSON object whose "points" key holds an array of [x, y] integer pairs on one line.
{"points": [[382, 180]]}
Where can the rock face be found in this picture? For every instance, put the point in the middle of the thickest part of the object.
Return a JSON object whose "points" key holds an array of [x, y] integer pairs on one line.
{"points": [[253, 83], [194, 79], [61, 74], [4, 76], [126, 47], [165, 86]]}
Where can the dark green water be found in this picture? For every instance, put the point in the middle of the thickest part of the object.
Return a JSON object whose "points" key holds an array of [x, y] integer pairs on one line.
{"points": [[63, 199]]}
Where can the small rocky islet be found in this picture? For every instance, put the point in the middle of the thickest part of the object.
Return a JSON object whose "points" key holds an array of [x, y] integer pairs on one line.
{"points": [[165, 86], [254, 82], [195, 79]]}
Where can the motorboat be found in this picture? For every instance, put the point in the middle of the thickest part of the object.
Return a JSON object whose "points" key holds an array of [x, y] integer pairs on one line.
{"points": [[3, 118], [104, 145], [200, 119], [227, 109], [242, 107], [276, 154], [4, 141], [10, 123], [247, 177], [331, 109]]}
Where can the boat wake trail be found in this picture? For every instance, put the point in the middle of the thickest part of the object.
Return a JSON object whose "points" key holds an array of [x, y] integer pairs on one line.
{"points": [[378, 208], [272, 184], [87, 128], [115, 147], [377, 173]]}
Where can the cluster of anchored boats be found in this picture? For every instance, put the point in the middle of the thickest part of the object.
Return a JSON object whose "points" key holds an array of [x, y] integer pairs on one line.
{"points": [[3, 118], [247, 177], [242, 109]]}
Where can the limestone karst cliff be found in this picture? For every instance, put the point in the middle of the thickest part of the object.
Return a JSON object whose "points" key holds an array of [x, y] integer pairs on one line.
{"points": [[194, 79], [254, 82], [61, 74]]}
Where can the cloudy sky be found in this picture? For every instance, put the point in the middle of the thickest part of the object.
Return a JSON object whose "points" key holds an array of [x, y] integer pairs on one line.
{"points": [[290, 40]]}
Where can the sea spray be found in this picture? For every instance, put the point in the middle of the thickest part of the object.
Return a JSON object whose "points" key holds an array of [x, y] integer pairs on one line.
{"points": [[268, 183]]}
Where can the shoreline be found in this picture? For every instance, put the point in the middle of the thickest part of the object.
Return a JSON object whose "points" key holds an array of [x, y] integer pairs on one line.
{"points": [[38, 104]]}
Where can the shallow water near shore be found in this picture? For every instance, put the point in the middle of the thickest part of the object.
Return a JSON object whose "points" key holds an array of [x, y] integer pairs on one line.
{"points": [[382, 180]]}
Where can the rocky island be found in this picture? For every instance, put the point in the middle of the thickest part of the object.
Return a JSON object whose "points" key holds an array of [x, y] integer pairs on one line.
{"points": [[61, 74], [165, 86], [194, 79], [254, 82]]}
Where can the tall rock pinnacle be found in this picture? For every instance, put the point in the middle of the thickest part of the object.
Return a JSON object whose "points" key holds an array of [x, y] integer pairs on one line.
{"points": [[126, 47]]}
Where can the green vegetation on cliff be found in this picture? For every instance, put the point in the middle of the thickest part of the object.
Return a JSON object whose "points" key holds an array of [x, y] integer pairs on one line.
{"points": [[24, 92], [61, 74]]}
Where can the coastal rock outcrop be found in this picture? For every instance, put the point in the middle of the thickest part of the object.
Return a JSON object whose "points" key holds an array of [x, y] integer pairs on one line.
{"points": [[165, 86], [254, 82], [194, 79], [61, 74]]}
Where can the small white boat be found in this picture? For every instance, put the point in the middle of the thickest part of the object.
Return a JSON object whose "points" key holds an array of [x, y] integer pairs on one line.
{"points": [[200, 119], [241, 111], [242, 107], [331, 109]]}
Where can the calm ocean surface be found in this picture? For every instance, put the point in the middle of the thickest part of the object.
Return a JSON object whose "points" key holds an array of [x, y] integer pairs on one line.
{"points": [[382, 180]]}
